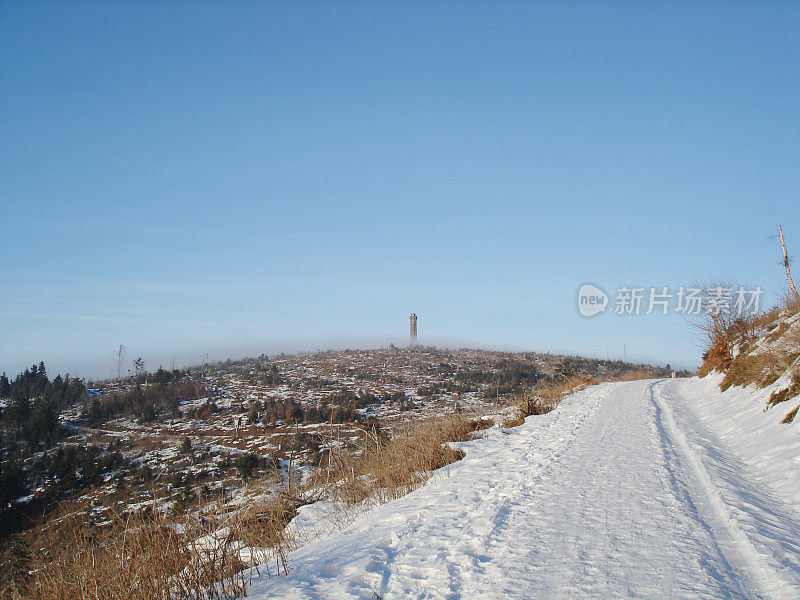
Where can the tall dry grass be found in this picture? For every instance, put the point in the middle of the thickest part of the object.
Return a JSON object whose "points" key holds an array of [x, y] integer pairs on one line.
{"points": [[205, 555], [762, 369], [788, 393], [384, 471], [545, 398], [636, 375], [200, 555], [134, 558]]}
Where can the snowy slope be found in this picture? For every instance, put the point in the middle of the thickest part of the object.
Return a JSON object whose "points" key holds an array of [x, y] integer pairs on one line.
{"points": [[622, 492], [742, 419]]}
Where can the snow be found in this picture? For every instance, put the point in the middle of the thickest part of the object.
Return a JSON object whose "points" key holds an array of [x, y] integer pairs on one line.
{"points": [[741, 419], [646, 489]]}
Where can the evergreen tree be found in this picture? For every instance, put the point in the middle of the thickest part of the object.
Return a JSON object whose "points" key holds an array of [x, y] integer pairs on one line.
{"points": [[246, 465], [95, 412], [12, 481], [5, 386]]}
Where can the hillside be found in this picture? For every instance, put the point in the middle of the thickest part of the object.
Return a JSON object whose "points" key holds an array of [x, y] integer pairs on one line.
{"points": [[220, 441], [414, 473], [651, 489], [760, 354]]}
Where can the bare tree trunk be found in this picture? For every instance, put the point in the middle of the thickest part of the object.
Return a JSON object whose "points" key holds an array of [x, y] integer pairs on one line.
{"points": [[786, 264]]}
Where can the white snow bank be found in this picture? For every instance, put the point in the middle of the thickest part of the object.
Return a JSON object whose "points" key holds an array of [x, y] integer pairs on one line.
{"points": [[741, 419]]}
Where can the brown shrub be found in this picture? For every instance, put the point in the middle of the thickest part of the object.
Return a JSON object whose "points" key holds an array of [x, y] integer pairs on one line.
{"points": [[718, 357]]}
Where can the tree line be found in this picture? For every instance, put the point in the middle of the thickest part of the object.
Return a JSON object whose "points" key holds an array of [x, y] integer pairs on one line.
{"points": [[31, 415]]}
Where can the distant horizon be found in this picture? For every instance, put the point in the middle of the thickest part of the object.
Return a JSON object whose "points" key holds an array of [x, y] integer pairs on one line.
{"points": [[95, 372]]}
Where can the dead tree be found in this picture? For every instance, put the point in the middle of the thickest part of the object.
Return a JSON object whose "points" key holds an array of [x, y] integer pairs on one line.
{"points": [[786, 265]]}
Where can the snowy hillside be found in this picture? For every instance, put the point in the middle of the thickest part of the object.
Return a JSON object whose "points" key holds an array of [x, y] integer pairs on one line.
{"points": [[645, 489]]}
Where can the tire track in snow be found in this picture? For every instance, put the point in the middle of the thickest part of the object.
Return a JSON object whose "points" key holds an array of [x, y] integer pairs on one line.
{"points": [[757, 580]]}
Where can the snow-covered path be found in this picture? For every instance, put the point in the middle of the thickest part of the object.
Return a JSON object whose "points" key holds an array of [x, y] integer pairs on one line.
{"points": [[622, 492]]}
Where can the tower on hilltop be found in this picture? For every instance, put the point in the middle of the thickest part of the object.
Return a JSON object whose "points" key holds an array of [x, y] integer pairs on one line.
{"points": [[413, 319]]}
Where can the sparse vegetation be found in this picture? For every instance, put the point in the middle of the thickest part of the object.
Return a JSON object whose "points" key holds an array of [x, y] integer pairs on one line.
{"points": [[135, 557], [757, 350], [177, 442], [762, 369], [383, 471], [149, 555], [786, 394], [546, 398]]}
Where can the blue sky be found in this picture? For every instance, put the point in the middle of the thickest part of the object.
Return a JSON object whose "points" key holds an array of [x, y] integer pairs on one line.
{"points": [[248, 177]]}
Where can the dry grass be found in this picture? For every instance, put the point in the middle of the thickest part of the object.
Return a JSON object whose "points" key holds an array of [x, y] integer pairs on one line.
{"points": [[141, 557], [557, 391], [384, 471], [763, 366], [777, 332], [133, 558], [742, 333], [789, 303], [262, 528], [762, 369], [514, 421], [746, 330], [546, 397], [643, 373], [481, 424], [787, 394], [790, 415], [197, 555]]}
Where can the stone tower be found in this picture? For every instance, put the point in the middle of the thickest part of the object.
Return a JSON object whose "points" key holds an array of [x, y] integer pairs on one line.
{"points": [[413, 319]]}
